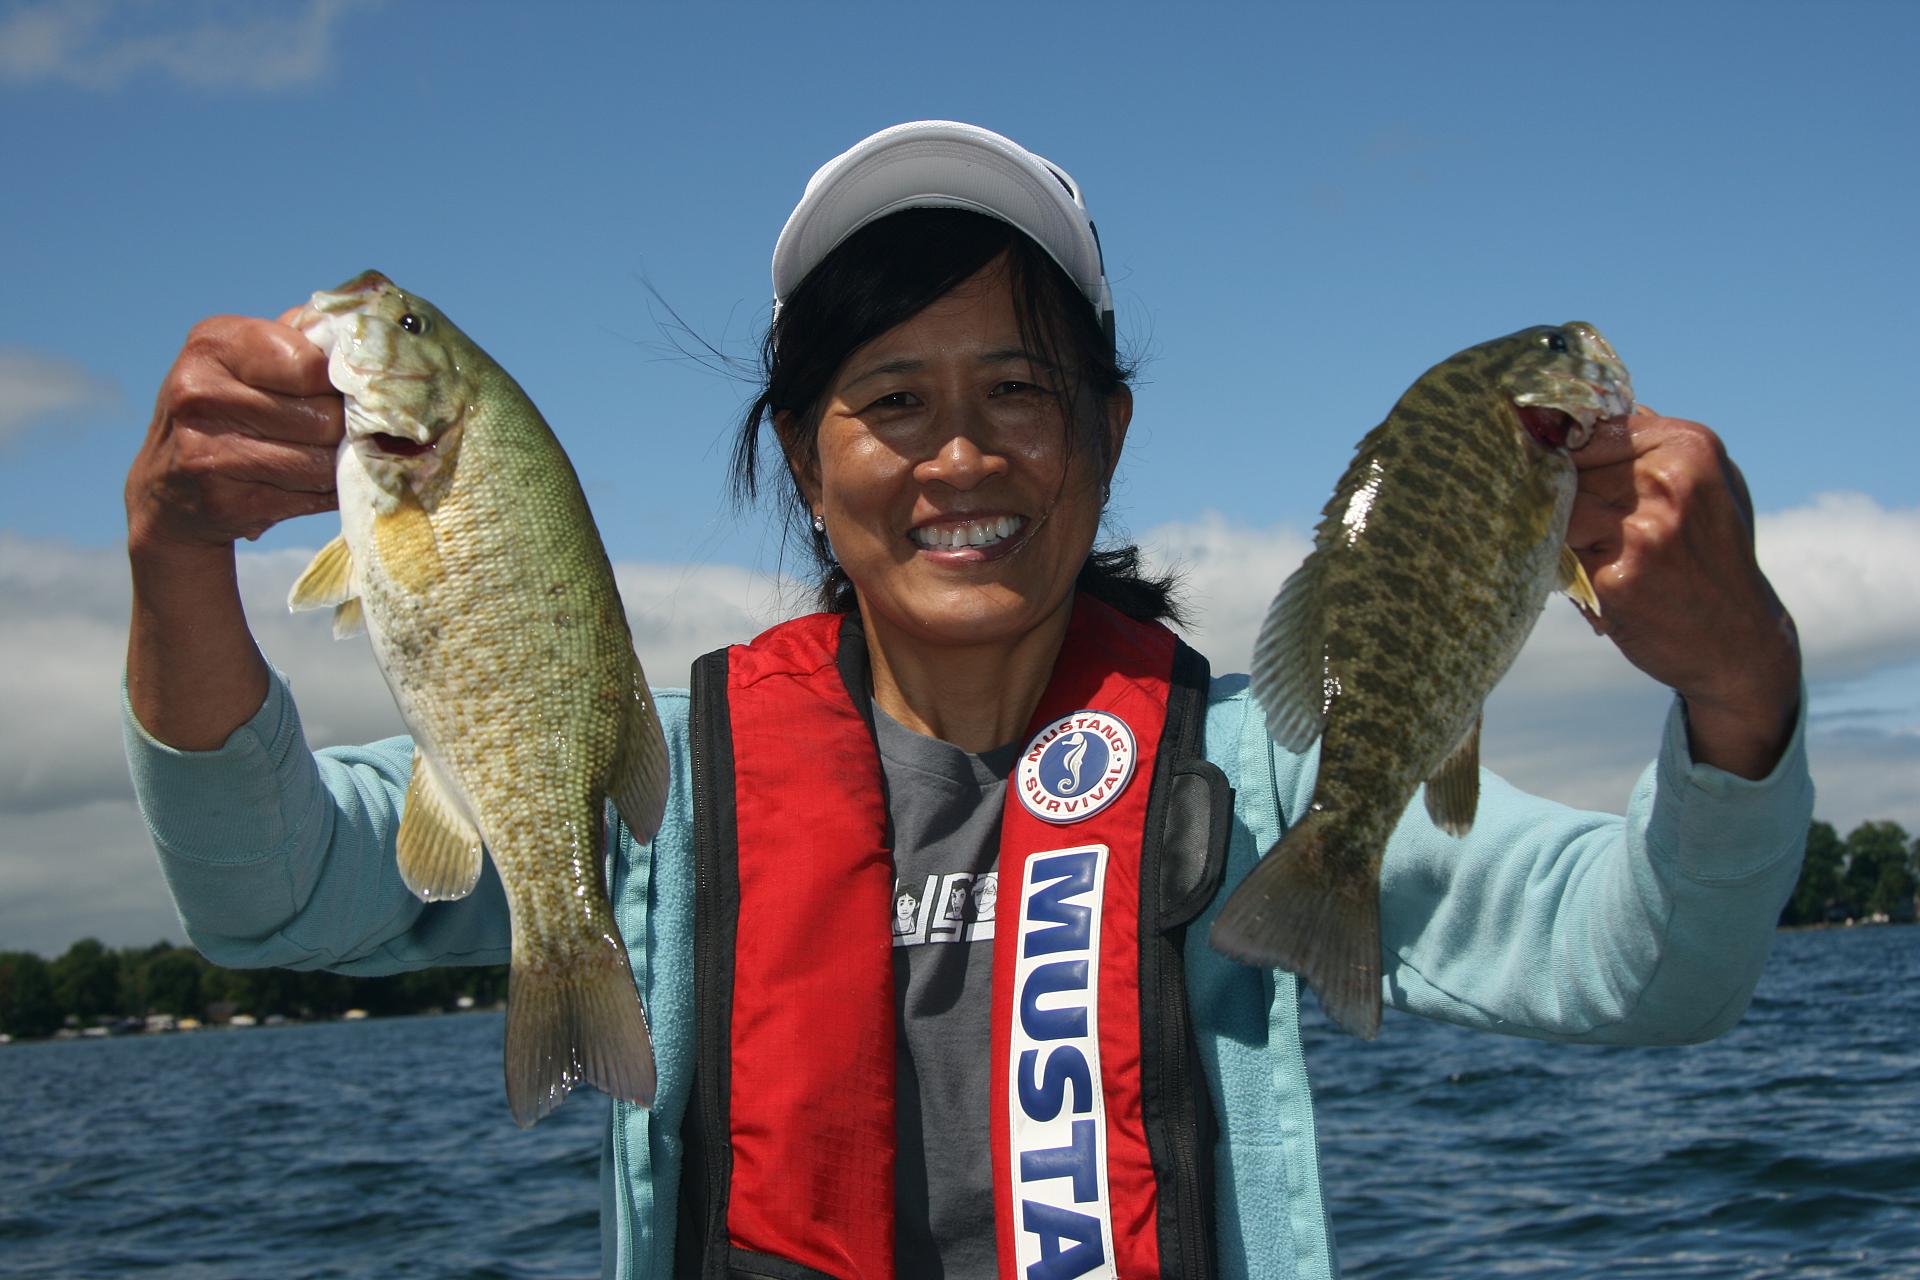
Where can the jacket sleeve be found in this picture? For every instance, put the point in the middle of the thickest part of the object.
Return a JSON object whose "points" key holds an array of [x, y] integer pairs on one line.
{"points": [[1562, 924], [1553, 922], [278, 856]]}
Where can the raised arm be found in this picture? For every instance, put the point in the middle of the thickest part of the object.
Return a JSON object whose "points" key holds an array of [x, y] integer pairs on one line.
{"points": [[1553, 922]]}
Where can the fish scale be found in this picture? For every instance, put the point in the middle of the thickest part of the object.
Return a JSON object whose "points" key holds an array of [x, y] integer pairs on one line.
{"points": [[1430, 565], [468, 549]]}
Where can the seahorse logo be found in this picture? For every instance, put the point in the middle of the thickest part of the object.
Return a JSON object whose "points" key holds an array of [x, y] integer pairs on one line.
{"points": [[1075, 757], [1074, 767]]}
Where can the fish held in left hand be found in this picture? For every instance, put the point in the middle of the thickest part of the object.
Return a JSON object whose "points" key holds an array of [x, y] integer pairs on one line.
{"points": [[1430, 565], [468, 554]]}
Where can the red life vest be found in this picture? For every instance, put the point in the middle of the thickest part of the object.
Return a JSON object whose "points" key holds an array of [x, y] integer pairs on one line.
{"points": [[1112, 839]]}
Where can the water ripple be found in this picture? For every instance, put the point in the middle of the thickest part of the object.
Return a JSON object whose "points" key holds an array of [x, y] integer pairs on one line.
{"points": [[1782, 1150]]}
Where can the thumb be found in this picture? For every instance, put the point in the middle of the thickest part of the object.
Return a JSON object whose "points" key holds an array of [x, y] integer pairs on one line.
{"points": [[1618, 439]]}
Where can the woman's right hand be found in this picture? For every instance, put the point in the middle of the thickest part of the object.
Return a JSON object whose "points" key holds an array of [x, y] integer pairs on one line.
{"points": [[244, 435]]}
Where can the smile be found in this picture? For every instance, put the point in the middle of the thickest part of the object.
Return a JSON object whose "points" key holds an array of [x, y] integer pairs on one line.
{"points": [[972, 533]]}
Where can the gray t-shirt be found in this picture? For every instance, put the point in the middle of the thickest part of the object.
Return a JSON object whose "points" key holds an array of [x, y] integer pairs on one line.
{"points": [[945, 806]]}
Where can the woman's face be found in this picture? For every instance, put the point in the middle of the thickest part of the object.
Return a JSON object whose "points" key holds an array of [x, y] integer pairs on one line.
{"points": [[951, 493]]}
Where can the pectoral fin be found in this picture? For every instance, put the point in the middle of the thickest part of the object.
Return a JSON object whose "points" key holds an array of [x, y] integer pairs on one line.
{"points": [[1574, 581], [1453, 792], [439, 849], [349, 619], [1290, 662], [327, 581], [641, 771]]}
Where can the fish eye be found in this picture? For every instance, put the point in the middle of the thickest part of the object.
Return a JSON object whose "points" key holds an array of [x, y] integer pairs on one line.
{"points": [[1556, 341], [418, 324]]}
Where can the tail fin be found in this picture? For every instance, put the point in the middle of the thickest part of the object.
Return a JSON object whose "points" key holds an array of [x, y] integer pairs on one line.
{"points": [[569, 1025], [1293, 911]]}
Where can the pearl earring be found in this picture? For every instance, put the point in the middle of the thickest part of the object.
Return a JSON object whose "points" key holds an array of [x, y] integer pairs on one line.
{"points": [[819, 523]]}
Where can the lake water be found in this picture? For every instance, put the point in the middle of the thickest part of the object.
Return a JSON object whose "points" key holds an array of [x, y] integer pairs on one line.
{"points": [[1788, 1148]]}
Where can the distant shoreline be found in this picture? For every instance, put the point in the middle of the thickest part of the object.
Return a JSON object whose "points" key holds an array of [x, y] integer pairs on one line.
{"points": [[120, 1031], [126, 1028], [1843, 925]]}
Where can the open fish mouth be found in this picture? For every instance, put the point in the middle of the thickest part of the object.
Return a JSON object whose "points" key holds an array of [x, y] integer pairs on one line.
{"points": [[1555, 428], [399, 446], [1570, 426]]}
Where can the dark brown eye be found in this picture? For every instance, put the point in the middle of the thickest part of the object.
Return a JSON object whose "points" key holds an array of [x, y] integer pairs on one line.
{"points": [[1556, 341], [418, 324]]}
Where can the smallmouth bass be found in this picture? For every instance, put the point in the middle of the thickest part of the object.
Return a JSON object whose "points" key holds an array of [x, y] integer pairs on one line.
{"points": [[1430, 565], [469, 556]]}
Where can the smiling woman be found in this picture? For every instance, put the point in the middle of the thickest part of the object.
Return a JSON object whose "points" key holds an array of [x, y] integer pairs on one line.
{"points": [[922, 933], [950, 413]]}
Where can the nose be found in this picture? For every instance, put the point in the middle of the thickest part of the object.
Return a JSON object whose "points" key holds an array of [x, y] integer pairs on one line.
{"points": [[964, 459]]}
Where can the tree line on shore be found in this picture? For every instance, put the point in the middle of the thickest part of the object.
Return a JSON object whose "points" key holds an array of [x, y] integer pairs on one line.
{"points": [[1874, 871], [92, 984]]}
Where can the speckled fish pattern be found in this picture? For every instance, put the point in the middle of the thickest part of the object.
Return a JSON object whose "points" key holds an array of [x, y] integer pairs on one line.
{"points": [[1431, 563], [470, 552]]}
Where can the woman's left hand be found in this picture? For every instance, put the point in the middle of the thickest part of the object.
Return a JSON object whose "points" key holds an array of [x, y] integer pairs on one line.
{"points": [[1663, 524]]}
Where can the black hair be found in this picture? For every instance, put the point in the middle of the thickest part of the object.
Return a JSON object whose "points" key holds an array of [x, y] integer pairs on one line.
{"points": [[883, 275]]}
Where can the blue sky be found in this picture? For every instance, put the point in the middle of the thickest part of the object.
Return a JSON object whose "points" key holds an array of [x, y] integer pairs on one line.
{"points": [[1302, 208]]}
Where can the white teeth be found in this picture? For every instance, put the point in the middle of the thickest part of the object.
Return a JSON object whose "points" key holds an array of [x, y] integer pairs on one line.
{"points": [[975, 534]]}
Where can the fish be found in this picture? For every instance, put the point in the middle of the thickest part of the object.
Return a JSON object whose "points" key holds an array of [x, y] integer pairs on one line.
{"points": [[1430, 565], [468, 555]]}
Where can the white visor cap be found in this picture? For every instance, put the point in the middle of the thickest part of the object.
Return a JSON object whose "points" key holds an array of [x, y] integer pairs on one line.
{"points": [[943, 164]]}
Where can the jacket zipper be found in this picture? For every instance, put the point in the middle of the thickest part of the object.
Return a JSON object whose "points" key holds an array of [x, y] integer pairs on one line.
{"points": [[618, 874], [623, 1208], [624, 1268], [1296, 1052]]}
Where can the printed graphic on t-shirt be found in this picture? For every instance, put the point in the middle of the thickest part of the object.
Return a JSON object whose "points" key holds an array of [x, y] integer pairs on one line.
{"points": [[954, 907]]}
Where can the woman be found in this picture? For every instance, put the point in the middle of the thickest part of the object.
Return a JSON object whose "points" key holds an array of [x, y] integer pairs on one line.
{"points": [[1063, 1079]]}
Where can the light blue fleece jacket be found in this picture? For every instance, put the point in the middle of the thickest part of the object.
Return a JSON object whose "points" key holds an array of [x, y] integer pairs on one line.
{"points": [[1545, 921]]}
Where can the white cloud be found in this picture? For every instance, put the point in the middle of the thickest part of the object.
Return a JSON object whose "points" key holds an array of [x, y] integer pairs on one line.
{"points": [[1864, 775], [212, 44], [1229, 574], [36, 388], [1846, 568], [85, 870], [1571, 721], [63, 639], [74, 855], [680, 612]]}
